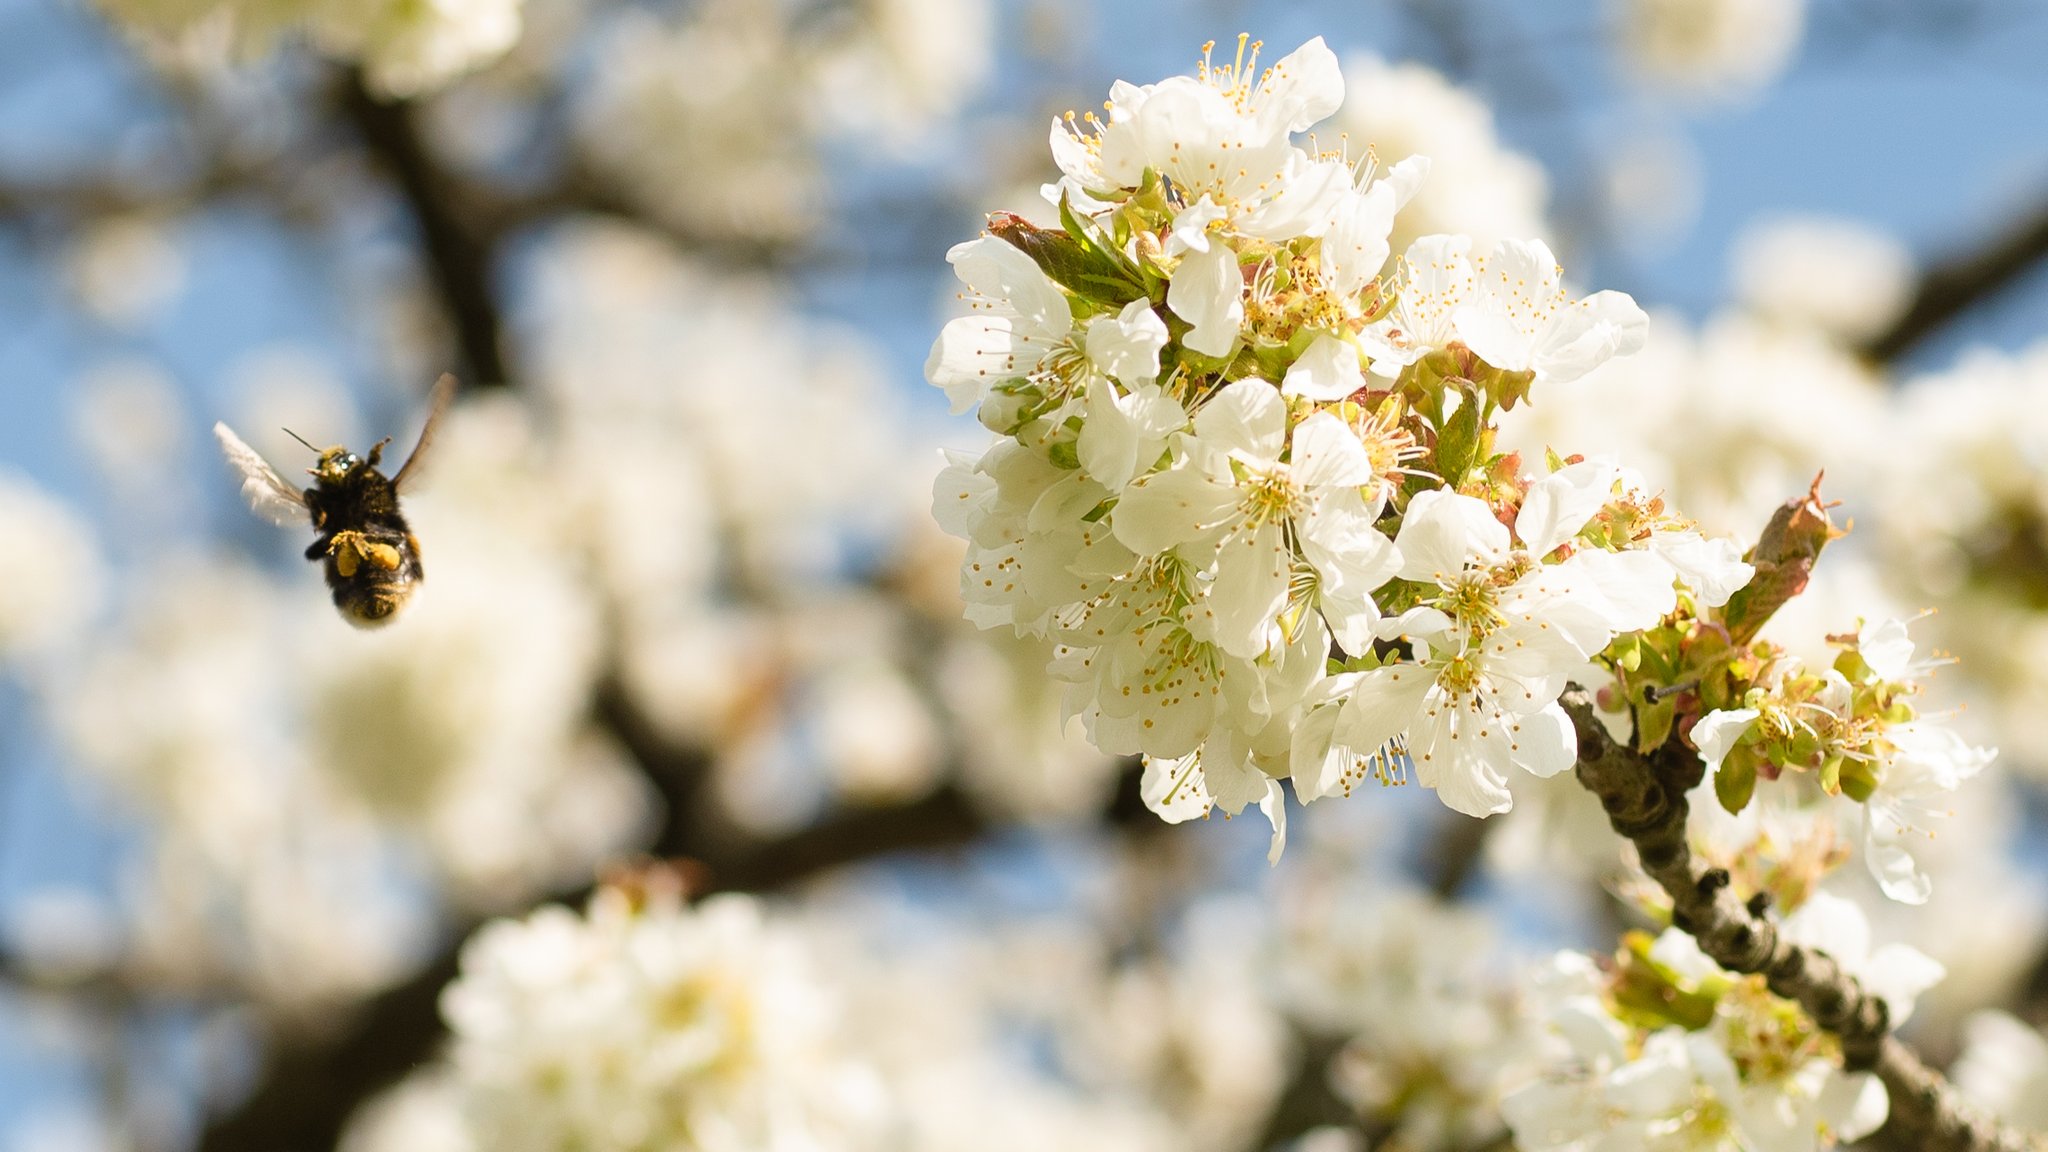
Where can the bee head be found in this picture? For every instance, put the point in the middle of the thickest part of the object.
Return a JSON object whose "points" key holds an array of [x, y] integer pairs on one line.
{"points": [[335, 465]]}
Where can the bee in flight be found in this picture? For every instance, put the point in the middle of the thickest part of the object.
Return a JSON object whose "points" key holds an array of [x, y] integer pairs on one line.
{"points": [[371, 557]]}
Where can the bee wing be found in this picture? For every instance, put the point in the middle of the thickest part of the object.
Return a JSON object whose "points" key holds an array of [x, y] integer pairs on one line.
{"points": [[267, 493], [415, 464]]}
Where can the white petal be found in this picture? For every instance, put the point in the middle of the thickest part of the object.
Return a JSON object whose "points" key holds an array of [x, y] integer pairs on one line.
{"points": [[1891, 865], [1383, 703], [1173, 789], [1108, 442], [1125, 433], [1717, 733], [1713, 569], [997, 270], [1314, 762], [1834, 925], [1228, 773], [1247, 418], [1165, 509], [1658, 1083], [1405, 179], [1462, 766], [1887, 649], [1207, 291], [1328, 370], [1303, 88], [1062, 505], [1274, 809], [1354, 248], [1250, 590], [1191, 227], [1074, 158], [1899, 973], [1854, 1105], [1300, 201], [1631, 591], [1558, 506], [1414, 623], [1327, 454], [1443, 532], [1438, 280], [961, 495], [1545, 742], [1681, 953], [1127, 346], [973, 352], [1588, 333], [1498, 322], [1339, 539]]}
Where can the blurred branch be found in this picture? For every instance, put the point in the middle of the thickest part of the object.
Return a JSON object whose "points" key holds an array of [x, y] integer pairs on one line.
{"points": [[455, 239], [1645, 799], [313, 1084], [1953, 286], [1308, 1101], [1454, 852], [101, 196]]}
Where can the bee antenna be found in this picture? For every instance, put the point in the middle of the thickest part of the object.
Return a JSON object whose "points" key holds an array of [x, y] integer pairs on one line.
{"points": [[299, 438]]}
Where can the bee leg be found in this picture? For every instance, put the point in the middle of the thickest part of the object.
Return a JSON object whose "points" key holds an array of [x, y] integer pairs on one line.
{"points": [[377, 451], [318, 549], [349, 550], [380, 555], [343, 549]]}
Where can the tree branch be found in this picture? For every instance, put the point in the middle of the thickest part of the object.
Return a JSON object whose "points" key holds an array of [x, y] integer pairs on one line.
{"points": [[310, 1088], [1954, 286], [1645, 799], [454, 237]]}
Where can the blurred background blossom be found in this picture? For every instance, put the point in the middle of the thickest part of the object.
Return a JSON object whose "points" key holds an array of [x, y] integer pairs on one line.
{"points": [[268, 883]]}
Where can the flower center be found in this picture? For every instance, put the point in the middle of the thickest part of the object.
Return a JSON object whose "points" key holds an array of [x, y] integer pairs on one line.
{"points": [[1472, 599], [1268, 495]]}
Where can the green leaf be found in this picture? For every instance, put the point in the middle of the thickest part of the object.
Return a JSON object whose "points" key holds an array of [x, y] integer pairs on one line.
{"points": [[1653, 996], [1735, 782], [1859, 780], [1458, 442], [1079, 264], [1831, 776], [1653, 723]]}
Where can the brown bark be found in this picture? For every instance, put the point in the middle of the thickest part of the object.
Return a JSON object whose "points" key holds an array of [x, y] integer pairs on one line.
{"points": [[1645, 799]]}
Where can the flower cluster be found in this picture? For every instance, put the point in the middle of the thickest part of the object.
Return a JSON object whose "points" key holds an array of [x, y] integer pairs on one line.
{"points": [[1659, 1047], [717, 117], [1710, 50], [404, 48], [1246, 481], [651, 1025], [1854, 727]]}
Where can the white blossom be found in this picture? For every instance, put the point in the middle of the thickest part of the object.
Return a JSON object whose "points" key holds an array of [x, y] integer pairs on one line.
{"points": [[1235, 496], [1717, 49], [643, 1028], [2004, 1068], [1846, 280], [1519, 318], [53, 576], [1920, 770]]}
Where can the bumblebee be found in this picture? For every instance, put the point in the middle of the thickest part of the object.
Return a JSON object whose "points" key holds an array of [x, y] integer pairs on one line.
{"points": [[369, 553]]}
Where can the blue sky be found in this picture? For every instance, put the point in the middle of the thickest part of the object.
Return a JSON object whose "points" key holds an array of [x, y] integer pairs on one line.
{"points": [[1938, 140]]}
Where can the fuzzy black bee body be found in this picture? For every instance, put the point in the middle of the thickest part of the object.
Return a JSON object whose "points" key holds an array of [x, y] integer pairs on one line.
{"points": [[364, 545], [369, 553]]}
